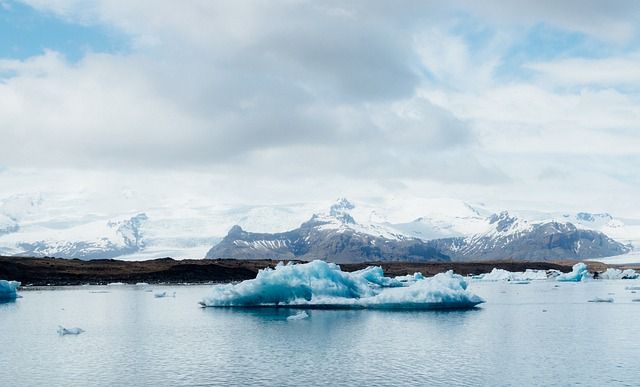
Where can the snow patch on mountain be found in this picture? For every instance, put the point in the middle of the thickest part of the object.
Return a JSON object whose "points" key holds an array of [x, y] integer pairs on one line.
{"points": [[116, 238]]}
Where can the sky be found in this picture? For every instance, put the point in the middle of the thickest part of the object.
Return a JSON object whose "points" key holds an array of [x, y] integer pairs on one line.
{"points": [[528, 104]]}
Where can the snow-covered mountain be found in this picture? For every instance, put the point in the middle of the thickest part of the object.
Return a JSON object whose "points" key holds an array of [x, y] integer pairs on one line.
{"points": [[67, 226], [119, 238], [333, 236], [338, 236], [509, 237]]}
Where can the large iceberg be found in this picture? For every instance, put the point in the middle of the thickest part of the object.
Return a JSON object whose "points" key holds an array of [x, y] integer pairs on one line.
{"points": [[8, 290], [319, 284], [579, 273]]}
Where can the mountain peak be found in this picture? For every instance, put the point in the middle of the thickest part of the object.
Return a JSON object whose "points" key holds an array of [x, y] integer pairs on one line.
{"points": [[503, 221], [340, 210], [341, 205], [236, 229]]}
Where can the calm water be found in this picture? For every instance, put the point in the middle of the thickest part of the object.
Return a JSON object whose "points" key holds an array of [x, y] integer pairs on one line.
{"points": [[534, 334]]}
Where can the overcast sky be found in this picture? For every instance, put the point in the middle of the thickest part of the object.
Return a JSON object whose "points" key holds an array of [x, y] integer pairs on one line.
{"points": [[516, 104]]}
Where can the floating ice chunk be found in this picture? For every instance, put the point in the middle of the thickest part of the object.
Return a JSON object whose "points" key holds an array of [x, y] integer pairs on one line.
{"points": [[632, 288], [163, 294], [142, 284], [579, 273], [116, 284], [69, 331], [615, 274], [319, 284], [601, 299], [8, 290], [298, 316], [505, 275]]}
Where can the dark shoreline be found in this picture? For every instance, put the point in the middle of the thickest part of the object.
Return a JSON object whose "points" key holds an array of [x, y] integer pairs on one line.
{"points": [[59, 272]]}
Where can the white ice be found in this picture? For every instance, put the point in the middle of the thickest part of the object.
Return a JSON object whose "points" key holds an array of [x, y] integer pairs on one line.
{"points": [[320, 284], [614, 274], [298, 316], [579, 273], [69, 331], [519, 276], [8, 290]]}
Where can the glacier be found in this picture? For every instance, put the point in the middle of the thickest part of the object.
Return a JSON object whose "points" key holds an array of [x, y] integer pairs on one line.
{"points": [[319, 284], [579, 273], [8, 290]]}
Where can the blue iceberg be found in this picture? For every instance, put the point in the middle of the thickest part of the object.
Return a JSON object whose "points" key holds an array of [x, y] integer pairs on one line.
{"points": [[579, 273], [8, 290], [322, 285]]}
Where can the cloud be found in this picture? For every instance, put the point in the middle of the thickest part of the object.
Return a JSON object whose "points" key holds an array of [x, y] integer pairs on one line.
{"points": [[604, 72], [365, 95]]}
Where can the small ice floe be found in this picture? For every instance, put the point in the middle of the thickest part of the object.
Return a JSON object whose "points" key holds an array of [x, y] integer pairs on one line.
{"points": [[142, 284], [8, 290], [602, 299], [163, 295], [298, 316], [116, 284], [632, 288], [69, 331]]}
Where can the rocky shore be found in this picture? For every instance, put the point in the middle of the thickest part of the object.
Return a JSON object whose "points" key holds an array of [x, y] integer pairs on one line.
{"points": [[56, 271]]}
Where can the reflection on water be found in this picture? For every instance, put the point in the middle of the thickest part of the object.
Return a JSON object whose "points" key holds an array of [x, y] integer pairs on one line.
{"points": [[523, 335]]}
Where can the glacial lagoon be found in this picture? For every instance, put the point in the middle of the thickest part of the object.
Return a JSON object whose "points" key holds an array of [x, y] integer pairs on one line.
{"points": [[543, 332]]}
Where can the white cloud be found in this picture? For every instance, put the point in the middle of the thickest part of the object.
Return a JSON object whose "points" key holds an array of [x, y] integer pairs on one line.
{"points": [[623, 71], [293, 99]]}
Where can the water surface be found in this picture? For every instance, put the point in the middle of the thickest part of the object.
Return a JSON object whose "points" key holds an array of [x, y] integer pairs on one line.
{"points": [[541, 333]]}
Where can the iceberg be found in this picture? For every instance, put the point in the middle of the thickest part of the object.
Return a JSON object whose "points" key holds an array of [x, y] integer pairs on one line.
{"points": [[8, 290], [69, 331], [319, 284], [579, 273], [518, 276], [614, 274]]}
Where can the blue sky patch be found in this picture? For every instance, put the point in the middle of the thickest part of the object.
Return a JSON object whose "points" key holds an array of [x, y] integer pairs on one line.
{"points": [[26, 32]]}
